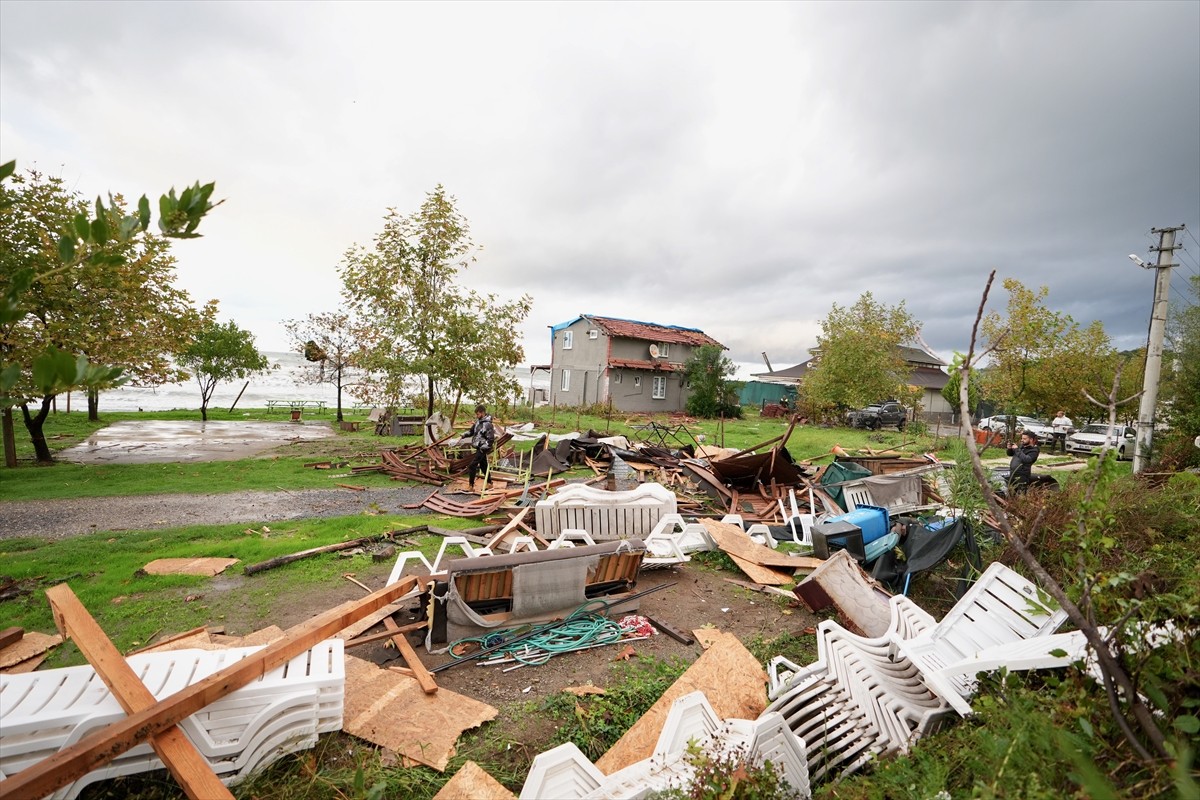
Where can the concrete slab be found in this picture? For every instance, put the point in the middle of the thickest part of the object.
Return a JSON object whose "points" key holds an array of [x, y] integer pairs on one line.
{"points": [[159, 441]]}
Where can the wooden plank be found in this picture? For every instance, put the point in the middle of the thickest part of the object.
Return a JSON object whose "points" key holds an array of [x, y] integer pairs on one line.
{"points": [[191, 770], [105, 744], [209, 567], [670, 630], [419, 671], [512, 526], [732, 540], [759, 574], [31, 644], [10, 636]]}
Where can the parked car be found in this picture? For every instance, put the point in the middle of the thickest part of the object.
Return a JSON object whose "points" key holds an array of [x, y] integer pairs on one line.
{"points": [[1091, 439], [879, 415], [999, 424]]}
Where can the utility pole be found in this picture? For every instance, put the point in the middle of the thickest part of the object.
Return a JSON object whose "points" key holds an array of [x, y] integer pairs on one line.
{"points": [[1154, 346]]}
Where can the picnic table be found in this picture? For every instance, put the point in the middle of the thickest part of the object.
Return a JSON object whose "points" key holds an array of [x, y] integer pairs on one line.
{"points": [[296, 405]]}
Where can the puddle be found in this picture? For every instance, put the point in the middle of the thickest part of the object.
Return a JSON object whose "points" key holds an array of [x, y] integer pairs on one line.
{"points": [[161, 441]]}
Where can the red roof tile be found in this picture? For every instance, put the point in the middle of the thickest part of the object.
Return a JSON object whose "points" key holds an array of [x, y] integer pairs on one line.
{"points": [[653, 332], [634, 363]]}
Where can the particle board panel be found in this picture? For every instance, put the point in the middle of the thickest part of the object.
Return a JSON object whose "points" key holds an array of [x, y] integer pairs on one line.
{"points": [[732, 540], [763, 575], [473, 782], [189, 566], [730, 677], [390, 710], [31, 644]]}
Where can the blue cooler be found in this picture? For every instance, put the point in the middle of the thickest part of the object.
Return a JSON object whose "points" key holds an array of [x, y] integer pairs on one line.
{"points": [[871, 520]]}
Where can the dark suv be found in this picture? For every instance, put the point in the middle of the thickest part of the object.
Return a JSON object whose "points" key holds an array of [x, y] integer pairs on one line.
{"points": [[880, 415]]}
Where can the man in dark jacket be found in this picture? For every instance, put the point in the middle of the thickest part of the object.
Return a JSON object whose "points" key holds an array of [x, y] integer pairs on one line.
{"points": [[483, 437], [1020, 468]]}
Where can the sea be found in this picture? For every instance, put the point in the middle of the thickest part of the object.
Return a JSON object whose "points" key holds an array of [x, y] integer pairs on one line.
{"points": [[287, 380]]}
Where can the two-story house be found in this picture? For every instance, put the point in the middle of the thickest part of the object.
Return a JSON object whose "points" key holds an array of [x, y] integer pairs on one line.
{"points": [[638, 366]]}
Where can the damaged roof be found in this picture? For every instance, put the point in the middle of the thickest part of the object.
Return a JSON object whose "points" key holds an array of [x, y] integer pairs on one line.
{"points": [[647, 331]]}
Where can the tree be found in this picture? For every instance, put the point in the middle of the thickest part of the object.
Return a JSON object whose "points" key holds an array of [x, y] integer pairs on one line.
{"points": [[328, 341], [950, 390], [419, 322], [75, 283], [708, 374], [857, 359], [221, 353], [1043, 361], [1182, 382]]}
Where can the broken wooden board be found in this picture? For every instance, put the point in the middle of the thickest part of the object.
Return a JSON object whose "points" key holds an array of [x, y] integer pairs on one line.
{"points": [[473, 782], [28, 665], [189, 566], [763, 575], [730, 677], [707, 637], [732, 540], [390, 710], [370, 621], [31, 644], [860, 600]]}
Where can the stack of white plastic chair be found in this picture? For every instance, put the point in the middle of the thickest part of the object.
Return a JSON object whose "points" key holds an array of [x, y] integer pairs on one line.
{"points": [[279, 713], [671, 541], [565, 772]]}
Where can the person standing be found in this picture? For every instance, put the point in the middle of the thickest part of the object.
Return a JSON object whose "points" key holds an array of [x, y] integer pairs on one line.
{"points": [[483, 437], [1062, 426], [1020, 468]]}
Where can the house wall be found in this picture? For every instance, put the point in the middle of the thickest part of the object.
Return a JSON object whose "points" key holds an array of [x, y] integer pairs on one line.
{"points": [[585, 361], [934, 407]]}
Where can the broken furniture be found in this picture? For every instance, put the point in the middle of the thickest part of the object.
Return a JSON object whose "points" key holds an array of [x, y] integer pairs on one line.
{"points": [[282, 711], [605, 515], [565, 772], [870, 696]]}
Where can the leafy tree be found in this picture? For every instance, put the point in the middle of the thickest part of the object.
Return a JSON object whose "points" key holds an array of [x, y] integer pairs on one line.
{"points": [[857, 359], [950, 390], [419, 322], [1182, 384], [221, 353], [71, 282], [328, 341], [1042, 360], [711, 391]]}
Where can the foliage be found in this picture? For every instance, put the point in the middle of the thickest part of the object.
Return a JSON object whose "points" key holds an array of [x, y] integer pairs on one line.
{"points": [[729, 775], [330, 342], [1182, 384], [418, 322], [709, 372], [221, 352], [95, 286], [1043, 361], [950, 390], [858, 361]]}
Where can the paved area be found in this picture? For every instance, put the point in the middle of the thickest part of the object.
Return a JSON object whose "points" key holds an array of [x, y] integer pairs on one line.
{"points": [[156, 441]]}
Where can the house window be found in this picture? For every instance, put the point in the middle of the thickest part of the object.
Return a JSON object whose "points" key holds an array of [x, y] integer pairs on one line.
{"points": [[664, 350], [637, 381], [568, 339], [616, 377], [593, 334], [566, 381], [659, 392]]}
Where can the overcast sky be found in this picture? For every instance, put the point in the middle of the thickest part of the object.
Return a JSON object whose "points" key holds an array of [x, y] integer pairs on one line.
{"points": [[732, 167]]}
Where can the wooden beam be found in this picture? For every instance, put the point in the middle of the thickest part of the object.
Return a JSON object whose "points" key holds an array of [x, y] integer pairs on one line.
{"points": [[419, 671], [10, 636], [190, 768], [102, 746]]}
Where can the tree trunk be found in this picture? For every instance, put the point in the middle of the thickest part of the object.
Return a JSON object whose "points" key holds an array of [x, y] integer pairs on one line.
{"points": [[93, 403], [429, 409], [339, 393], [204, 412], [33, 424], [10, 439]]}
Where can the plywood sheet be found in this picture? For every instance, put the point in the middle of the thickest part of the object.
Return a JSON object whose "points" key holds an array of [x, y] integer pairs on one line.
{"points": [[732, 540], [390, 710], [473, 782], [28, 665], [31, 644], [189, 566], [730, 677], [707, 637], [763, 575]]}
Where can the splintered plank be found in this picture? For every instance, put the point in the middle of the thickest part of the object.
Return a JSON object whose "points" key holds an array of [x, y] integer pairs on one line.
{"points": [[191, 770], [763, 575], [733, 541], [730, 677], [103, 745], [419, 671]]}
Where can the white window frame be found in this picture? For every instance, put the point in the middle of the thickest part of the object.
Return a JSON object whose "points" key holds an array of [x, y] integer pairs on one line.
{"points": [[565, 382], [593, 334], [659, 388], [664, 350], [568, 340], [616, 377], [637, 381]]}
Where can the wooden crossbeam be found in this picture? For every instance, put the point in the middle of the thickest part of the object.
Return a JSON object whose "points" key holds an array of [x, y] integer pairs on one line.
{"points": [[190, 768], [103, 745], [423, 675]]}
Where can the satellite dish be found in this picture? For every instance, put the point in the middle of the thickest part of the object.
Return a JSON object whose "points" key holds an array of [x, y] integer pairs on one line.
{"points": [[654, 351]]}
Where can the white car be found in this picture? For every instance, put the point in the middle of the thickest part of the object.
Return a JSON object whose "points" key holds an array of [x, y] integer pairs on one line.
{"points": [[1091, 439], [1035, 426]]}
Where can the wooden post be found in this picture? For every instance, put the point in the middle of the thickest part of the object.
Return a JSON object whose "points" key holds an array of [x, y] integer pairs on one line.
{"points": [[239, 397]]}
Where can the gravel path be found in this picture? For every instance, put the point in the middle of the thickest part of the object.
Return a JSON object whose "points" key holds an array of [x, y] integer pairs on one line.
{"points": [[58, 519]]}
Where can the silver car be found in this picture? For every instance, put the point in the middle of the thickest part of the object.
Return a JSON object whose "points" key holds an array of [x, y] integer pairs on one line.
{"points": [[1091, 439], [1037, 427]]}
